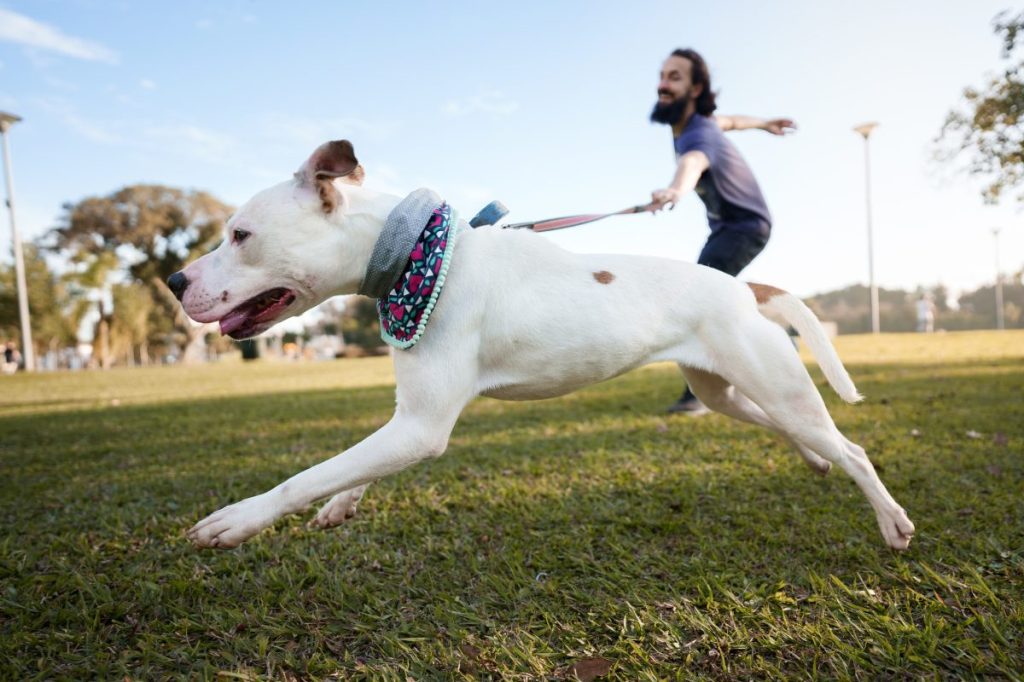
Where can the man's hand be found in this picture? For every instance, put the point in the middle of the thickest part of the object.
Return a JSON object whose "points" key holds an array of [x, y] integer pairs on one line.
{"points": [[688, 171], [779, 126], [660, 198], [775, 126]]}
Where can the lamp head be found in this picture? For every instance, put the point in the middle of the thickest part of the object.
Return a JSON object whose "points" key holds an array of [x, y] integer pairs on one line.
{"points": [[865, 129], [7, 120]]}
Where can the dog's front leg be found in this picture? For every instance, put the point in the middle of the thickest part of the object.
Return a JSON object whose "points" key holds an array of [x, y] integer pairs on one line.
{"points": [[403, 441]]}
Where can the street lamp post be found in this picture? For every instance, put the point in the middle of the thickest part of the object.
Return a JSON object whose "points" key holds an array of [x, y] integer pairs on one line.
{"points": [[6, 121], [864, 130], [1000, 323]]}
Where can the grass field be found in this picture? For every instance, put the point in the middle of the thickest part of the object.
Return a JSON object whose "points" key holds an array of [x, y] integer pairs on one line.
{"points": [[573, 536]]}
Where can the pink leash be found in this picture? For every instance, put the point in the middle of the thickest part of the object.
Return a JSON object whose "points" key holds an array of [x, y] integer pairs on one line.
{"points": [[571, 220]]}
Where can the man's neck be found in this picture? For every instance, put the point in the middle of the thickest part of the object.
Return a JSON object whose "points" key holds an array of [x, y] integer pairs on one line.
{"points": [[680, 125]]}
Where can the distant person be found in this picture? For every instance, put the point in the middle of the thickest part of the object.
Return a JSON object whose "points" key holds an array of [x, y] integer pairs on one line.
{"points": [[708, 163], [12, 358], [925, 314]]}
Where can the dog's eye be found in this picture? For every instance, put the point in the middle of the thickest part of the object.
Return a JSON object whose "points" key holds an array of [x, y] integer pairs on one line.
{"points": [[238, 236]]}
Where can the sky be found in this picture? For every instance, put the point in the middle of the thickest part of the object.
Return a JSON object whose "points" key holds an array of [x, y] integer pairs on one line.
{"points": [[542, 105]]}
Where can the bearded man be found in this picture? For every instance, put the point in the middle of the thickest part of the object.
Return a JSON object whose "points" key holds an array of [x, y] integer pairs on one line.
{"points": [[710, 165]]}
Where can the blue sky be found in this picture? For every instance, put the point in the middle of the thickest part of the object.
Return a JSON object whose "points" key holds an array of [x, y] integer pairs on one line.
{"points": [[540, 104]]}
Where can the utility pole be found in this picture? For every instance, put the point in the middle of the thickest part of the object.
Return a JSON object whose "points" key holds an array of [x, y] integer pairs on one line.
{"points": [[1000, 322], [6, 121], [864, 130]]}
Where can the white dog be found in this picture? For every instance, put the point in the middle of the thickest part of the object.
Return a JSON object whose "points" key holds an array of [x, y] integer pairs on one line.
{"points": [[518, 319]]}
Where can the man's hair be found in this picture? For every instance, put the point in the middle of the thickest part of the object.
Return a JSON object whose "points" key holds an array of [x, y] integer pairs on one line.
{"points": [[699, 75]]}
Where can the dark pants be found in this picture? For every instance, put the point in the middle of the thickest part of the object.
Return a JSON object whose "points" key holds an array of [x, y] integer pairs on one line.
{"points": [[730, 251]]}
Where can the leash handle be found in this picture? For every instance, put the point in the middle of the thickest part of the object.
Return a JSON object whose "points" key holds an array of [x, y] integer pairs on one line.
{"points": [[571, 220]]}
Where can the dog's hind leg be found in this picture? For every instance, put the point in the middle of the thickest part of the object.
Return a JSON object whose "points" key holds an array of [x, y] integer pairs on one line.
{"points": [[762, 365], [339, 508], [721, 396]]}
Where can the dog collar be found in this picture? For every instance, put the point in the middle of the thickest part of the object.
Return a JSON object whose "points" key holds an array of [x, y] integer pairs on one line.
{"points": [[402, 228], [413, 287]]}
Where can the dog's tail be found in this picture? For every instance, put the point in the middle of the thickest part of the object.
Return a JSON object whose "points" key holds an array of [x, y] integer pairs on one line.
{"points": [[800, 317]]}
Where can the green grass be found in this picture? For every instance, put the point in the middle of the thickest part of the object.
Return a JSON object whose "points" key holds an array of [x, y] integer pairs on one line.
{"points": [[551, 532]]}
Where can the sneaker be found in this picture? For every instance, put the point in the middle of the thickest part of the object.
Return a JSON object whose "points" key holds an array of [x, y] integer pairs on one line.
{"points": [[688, 406]]}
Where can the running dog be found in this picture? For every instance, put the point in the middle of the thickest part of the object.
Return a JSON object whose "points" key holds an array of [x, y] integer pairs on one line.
{"points": [[518, 319]]}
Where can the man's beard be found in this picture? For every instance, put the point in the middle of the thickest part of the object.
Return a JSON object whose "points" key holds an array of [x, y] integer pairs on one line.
{"points": [[669, 113]]}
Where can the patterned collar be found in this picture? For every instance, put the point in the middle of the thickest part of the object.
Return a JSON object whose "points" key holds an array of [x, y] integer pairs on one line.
{"points": [[405, 307]]}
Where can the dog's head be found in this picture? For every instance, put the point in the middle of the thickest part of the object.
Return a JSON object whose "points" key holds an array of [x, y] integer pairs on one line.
{"points": [[287, 249]]}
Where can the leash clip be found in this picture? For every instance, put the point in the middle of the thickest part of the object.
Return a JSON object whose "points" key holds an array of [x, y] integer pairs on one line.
{"points": [[489, 214]]}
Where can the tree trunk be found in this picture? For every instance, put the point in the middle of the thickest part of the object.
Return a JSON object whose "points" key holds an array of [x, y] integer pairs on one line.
{"points": [[104, 343], [194, 343], [195, 348]]}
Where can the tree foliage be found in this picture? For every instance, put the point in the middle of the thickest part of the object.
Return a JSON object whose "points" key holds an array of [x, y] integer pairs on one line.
{"points": [[976, 309], [360, 325], [140, 234], [130, 323], [986, 129], [52, 320], [153, 229]]}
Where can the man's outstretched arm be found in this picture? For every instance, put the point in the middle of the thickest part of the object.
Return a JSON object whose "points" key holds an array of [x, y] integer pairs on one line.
{"points": [[775, 126], [688, 171]]}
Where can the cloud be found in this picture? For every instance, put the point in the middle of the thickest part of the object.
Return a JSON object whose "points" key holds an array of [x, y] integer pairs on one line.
{"points": [[158, 138], [96, 132], [192, 141], [307, 131], [147, 84], [486, 102], [61, 84], [90, 130], [17, 28]]}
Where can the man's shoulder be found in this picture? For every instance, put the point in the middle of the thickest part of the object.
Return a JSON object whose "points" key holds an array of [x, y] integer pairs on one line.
{"points": [[702, 126], [699, 130]]}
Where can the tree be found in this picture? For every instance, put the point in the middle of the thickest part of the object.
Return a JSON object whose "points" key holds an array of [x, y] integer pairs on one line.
{"points": [[978, 307], [90, 284], [50, 307], [129, 324], [153, 231], [848, 308], [360, 325], [988, 126]]}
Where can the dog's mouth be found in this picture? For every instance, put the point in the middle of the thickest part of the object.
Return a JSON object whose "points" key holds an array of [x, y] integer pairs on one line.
{"points": [[257, 314]]}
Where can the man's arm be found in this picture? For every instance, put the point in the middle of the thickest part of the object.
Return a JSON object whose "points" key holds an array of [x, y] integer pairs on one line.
{"points": [[775, 126], [691, 165]]}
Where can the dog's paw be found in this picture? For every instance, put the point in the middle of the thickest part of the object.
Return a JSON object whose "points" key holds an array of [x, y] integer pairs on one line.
{"points": [[897, 529], [338, 509], [819, 466], [234, 524], [814, 461]]}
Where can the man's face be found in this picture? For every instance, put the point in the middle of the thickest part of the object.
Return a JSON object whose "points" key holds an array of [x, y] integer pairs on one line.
{"points": [[675, 91], [675, 82]]}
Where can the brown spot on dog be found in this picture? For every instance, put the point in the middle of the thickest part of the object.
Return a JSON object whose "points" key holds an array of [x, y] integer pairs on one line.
{"points": [[224, 296], [328, 195], [604, 277], [356, 177], [763, 292]]}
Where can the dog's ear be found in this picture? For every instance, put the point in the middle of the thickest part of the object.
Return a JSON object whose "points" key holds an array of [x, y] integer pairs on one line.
{"points": [[336, 159], [356, 176]]}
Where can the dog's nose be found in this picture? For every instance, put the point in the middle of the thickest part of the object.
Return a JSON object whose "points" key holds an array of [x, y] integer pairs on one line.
{"points": [[178, 283]]}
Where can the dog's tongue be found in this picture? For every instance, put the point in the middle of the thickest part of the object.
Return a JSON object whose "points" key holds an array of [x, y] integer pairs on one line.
{"points": [[231, 322]]}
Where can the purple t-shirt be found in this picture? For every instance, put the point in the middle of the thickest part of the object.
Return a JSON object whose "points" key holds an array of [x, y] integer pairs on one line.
{"points": [[727, 188]]}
